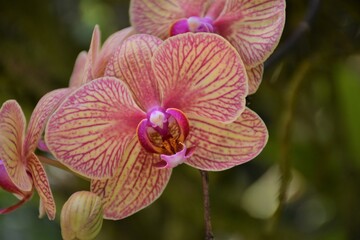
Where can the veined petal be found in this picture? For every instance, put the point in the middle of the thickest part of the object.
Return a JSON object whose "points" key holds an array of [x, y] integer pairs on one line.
{"points": [[222, 146], [45, 107], [78, 71], [12, 131], [132, 64], [253, 27], [108, 49], [90, 129], [156, 16], [255, 75], [201, 73], [137, 183], [42, 185], [6, 183], [92, 55]]}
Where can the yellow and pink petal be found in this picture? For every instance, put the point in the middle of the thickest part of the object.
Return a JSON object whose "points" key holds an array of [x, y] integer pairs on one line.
{"points": [[108, 49], [12, 131], [253, 27], [137, 183], [42, 186], [255, 75], [156, 16], [44, 108], [91, 56], [91, 128], [132, 64], [76, 77], [222, 146], [202, 74]]}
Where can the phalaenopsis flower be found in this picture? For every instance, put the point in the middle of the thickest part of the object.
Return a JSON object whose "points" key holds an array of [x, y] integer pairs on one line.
{"points": [[160, 104], [253, 27]]}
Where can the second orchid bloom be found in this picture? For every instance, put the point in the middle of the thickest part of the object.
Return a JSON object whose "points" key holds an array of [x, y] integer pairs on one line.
{"points": [[160, 104]]}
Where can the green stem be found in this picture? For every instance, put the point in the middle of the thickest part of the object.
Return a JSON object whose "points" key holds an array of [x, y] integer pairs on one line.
{"points": [[285, 141]]}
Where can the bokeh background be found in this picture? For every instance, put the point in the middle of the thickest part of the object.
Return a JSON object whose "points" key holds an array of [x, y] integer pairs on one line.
{"points": [[309, 99]]}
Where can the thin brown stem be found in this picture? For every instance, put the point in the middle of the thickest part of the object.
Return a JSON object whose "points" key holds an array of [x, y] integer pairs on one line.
{"points": [[205, 184]]}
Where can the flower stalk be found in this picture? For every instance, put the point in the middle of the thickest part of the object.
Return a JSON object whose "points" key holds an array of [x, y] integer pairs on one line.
{"points": [[205, 185]]}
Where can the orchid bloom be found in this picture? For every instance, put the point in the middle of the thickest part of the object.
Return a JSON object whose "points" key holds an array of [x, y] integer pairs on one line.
{"points": [[20, 168], [253, 27], [160, 104]]}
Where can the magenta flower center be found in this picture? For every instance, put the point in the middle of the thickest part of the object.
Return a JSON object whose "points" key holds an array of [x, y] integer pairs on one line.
{"points": [[192, 24], [164, 132]]}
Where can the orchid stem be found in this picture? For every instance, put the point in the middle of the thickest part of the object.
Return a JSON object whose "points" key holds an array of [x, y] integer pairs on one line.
{"points": [[17, 205], [205, 184], [57, 164]]}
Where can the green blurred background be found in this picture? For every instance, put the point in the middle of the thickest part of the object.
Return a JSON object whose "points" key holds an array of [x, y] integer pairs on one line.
{"points": [[309, 99]]}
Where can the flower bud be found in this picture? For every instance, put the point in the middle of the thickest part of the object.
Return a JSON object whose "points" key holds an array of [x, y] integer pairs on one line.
{"points": [[81, 216]]}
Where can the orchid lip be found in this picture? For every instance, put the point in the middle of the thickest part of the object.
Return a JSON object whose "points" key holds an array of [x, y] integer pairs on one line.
{"points": [[171, 161]]}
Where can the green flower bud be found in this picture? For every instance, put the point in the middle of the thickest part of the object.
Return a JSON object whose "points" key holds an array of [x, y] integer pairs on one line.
{"points": [[81, 216]]}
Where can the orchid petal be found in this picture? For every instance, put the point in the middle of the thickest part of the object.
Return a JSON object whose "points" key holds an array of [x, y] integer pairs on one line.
{"points": [[12, 131], [156, 16], [253, 27], [78, 71], [90, 129], [5, 181], [42, 185], [215, 8], [203, 74], [136, 184], [222, 146], [108, 49], [45, 107], [255, 76], [132, 64], [93, 52]]}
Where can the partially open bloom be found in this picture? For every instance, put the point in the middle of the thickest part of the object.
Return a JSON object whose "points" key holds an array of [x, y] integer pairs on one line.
{"points": [[161, 104], [20, 168], [90, 65], [252, 27], [81, 216]]}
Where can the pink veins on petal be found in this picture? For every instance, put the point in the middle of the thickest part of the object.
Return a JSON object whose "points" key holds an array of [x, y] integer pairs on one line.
{"points": [[128, 130], [254, 28], [20, 169]]}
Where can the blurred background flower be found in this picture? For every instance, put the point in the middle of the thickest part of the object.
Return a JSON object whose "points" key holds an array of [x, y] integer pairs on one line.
{"points": [[308, 99]]}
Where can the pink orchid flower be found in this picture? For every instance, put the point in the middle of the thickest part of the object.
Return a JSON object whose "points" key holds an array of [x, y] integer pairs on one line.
{"points": [[253, 27], [20, 168], [178, 101]]}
